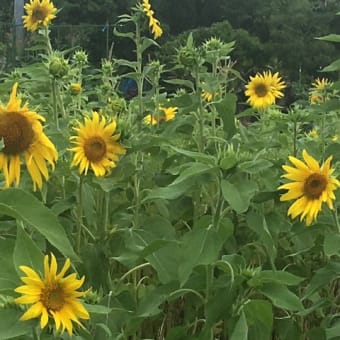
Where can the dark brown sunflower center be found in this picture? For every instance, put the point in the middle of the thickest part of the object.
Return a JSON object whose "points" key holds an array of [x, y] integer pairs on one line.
{"points": [[39, 14], [95, 149], [261, 90], [16, 132], [53, 297], [314, 186]]}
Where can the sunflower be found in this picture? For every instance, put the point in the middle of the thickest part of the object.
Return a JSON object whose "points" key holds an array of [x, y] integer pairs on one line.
{"points": [[263, 89], [96, 146], [22, 134], [75, 88], [154, 24], [321, 84], [318, 92], [38, 13], [313, 134], [311, 185], [168, 113], [54, 295], [207, 96]]}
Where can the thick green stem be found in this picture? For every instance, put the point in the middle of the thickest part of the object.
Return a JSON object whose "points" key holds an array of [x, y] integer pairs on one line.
{"points": [[219, 208], [61, 102], [200, 140], [54, 102], [139, 70], [48, 41], [136, 182], [79, 214], [336, 218], [209, 281], [294, 138], [323, 141], [106, 221]]}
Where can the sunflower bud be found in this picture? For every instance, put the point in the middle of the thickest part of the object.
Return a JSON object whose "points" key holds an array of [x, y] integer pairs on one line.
{"points": [[80, 58], [75, 88], [118, 105], [215, 49], [58, 67], [229, 158], [91, 297], [107, 67], [213, 44], [187, 57]]}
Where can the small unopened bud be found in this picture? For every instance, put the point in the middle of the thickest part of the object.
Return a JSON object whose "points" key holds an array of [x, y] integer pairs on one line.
{"points": [[58, 67]]}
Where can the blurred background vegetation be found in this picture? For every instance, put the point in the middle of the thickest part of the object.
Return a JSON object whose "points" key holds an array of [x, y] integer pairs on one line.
{"points": [[275, 34]]}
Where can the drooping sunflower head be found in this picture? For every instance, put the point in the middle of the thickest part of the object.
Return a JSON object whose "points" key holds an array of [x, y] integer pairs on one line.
{"points": [[23, 137], [320, 90], [264, 89], [52, 296], [310, 186], [154, 23], [38, 13], [96, 146]]}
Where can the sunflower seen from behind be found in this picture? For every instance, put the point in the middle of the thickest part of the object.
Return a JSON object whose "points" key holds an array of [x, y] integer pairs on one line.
{"points": [[38, 13], [24, 139], [310, 186], [95, 145], [52, 296], [262, 90]]}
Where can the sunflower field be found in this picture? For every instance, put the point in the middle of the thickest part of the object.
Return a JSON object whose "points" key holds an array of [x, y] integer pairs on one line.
{"points": [[141, 200]]}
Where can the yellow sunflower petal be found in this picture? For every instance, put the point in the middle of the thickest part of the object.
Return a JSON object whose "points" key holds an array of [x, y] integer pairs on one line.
{"points": [[33, 311]]}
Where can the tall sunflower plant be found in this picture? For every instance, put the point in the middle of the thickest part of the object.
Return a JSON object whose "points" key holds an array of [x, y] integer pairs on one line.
{"points": [[159, 211]]}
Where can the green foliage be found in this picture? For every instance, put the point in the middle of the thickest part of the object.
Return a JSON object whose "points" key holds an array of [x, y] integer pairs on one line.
{"points": [[186, 236]]}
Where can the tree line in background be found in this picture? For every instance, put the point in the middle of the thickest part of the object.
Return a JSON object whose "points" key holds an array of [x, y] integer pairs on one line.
{"points": [[277, 34]]}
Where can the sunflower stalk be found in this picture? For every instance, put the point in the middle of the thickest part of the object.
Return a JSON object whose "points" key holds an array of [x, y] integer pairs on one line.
{"points": [[200, 142], [79, 222], [295, 133], [140, 77], [336, 218], [46, 34], [54, 102], [61, 101], [219, 208], [106, 221], [137, 193], [323, 132], [36, 335]]}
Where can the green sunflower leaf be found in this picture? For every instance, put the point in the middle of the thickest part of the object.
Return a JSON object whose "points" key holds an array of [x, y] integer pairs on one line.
{"points": [[27, 208]]}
